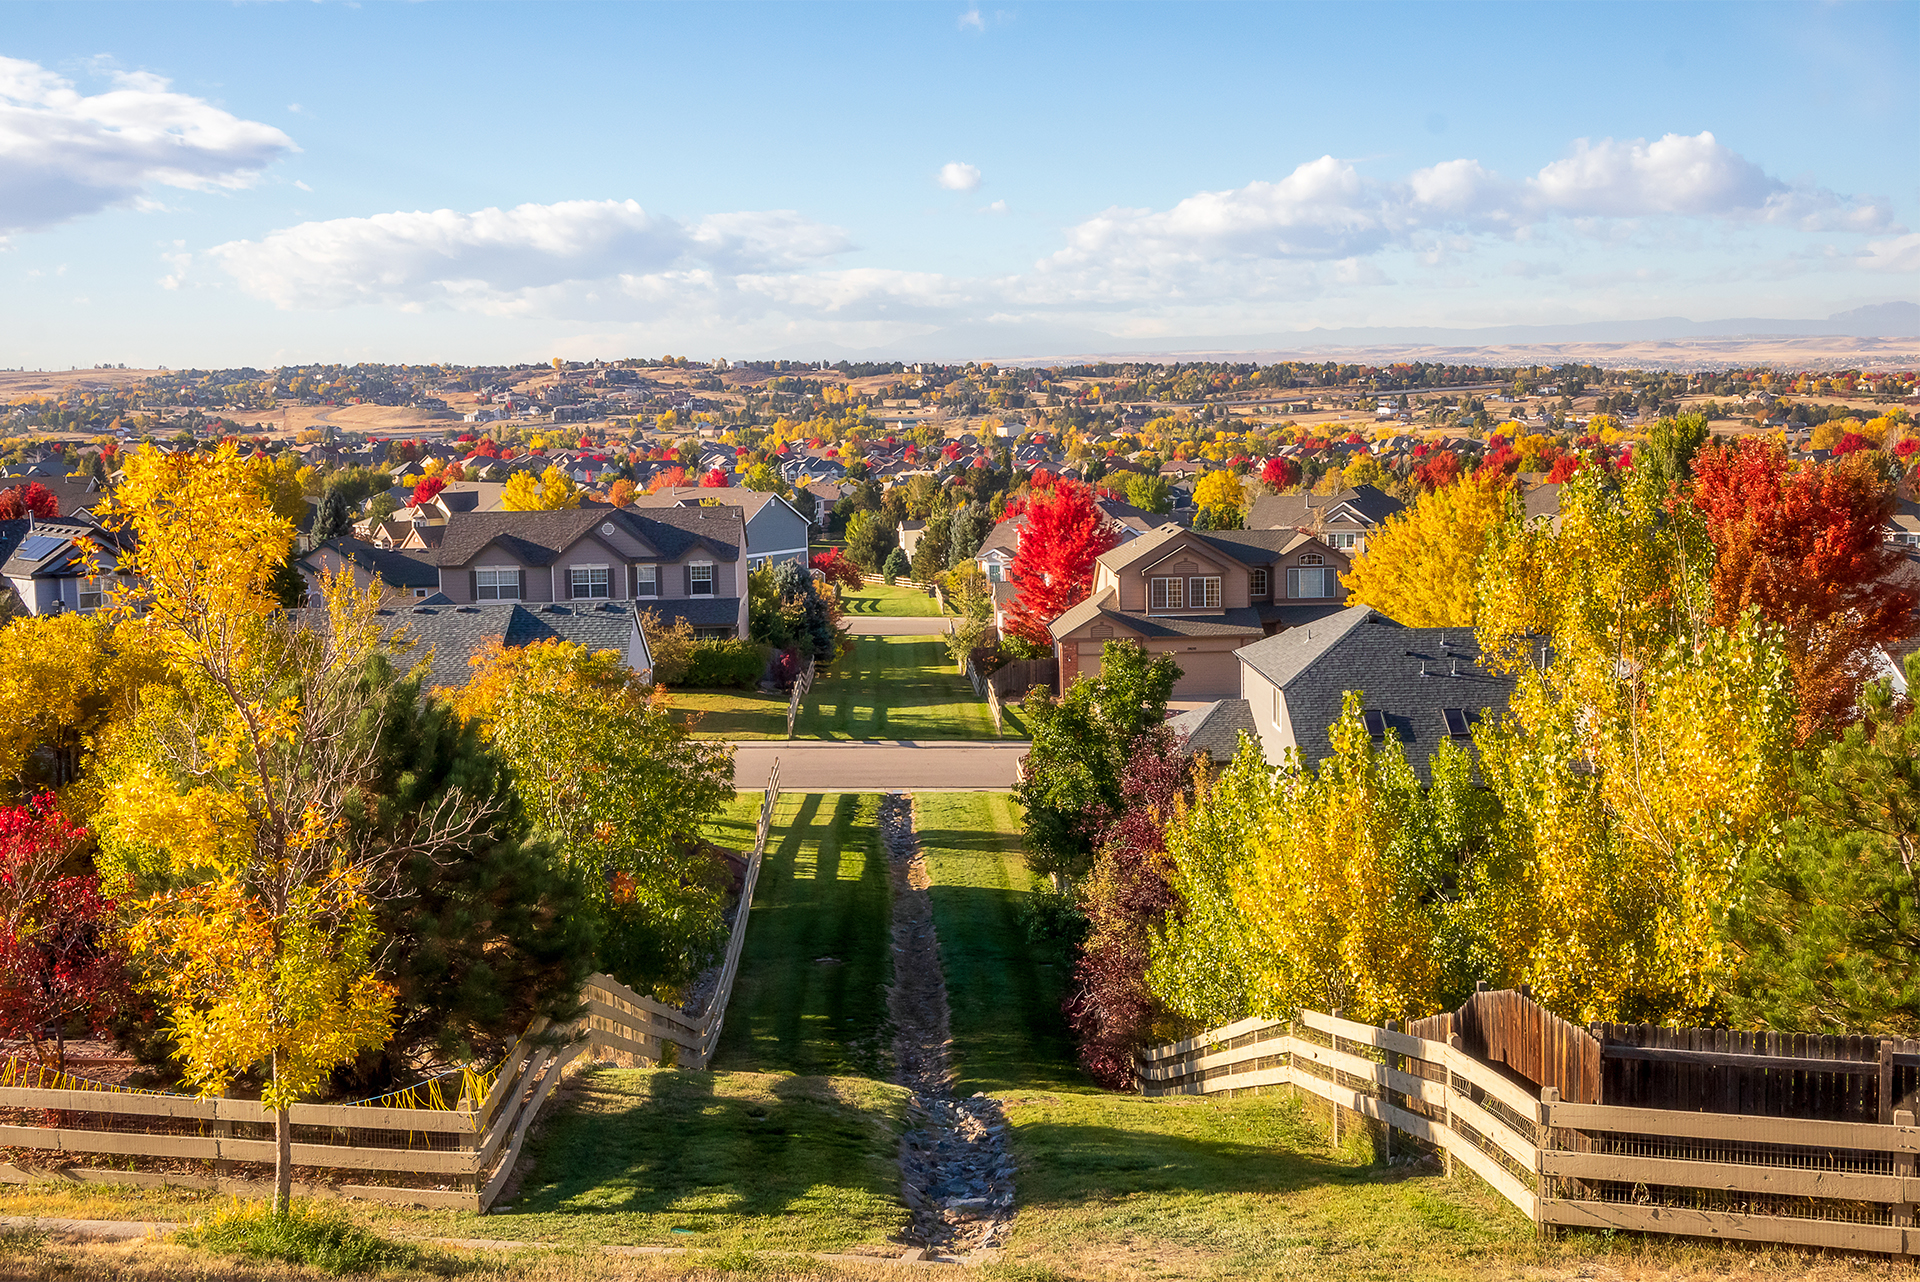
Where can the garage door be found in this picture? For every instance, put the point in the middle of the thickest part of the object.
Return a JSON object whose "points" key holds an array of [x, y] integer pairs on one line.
{"points": [[1207, 674]]}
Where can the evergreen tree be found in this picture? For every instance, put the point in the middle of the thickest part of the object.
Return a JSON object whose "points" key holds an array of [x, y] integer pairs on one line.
{"points": [[967, 529], [334, 518]]}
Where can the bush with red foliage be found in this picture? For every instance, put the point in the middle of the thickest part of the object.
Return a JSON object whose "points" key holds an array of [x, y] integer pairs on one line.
{"points": [[32, 498], [715, 480], [1802, 544], [60, 960], [1907, 448], [838, 568], [427, 489], [1052, 570], [1124, 898], [1563, 469]]}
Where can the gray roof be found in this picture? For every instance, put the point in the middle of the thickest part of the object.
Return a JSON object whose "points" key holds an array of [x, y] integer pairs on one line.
{"points": [[1292, 511], [75, 493], [396, 569], [538, 538], [1409, 674], [1238, 622], [454, 633], [698, 611], [1215, 728]]}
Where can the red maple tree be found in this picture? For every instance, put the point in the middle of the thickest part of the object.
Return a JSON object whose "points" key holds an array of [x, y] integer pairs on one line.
{"points": [[1052, 569], [835, 566], [17, 501], [1802, 544], [1279, 474], [1438, 472], [60, 965], [715, 480], [427, 488]]}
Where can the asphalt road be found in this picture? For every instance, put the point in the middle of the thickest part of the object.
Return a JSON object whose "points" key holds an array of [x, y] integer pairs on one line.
{"points": [[889, 626], [883, 765]]}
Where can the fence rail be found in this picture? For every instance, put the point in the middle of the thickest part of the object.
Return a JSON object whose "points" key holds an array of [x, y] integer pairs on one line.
{"points": [[455, 1158], [983, 687], [1808, 1181], [801, 685]]}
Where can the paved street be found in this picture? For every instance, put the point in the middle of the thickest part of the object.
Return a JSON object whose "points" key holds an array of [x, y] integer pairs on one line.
{"points": [[878, 765], [879, 625]]}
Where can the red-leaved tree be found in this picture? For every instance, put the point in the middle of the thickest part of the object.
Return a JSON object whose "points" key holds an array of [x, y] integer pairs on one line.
{"points": [[715, 480], [60, 961], [837, 567], [1802, 544], [1438, 472], [1125, 897], [1279, 474], [1052, 569], [427, 488], [19, 500]]}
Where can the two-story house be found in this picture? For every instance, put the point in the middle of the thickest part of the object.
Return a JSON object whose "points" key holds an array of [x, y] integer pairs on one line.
{"points": [[1341, 521], [59, 564], [679, 562], [1200, 596], [776, 530]]}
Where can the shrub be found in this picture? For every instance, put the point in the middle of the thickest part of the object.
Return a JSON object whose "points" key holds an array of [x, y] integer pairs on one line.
{"points": [[671, 645], [316, 1236], [896, 565], [724, 663]]}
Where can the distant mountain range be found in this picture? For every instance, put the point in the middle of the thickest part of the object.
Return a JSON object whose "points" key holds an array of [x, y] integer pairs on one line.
{"points": [[1031, 343]]}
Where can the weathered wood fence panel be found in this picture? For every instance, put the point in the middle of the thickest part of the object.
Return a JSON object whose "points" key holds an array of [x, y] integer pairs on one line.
{"points": [[1707, 1161], [801, 685], [455, 1158]]}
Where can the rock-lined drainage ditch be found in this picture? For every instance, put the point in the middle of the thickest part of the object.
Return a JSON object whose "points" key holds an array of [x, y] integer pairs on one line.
{"points": [[956, 1171]]}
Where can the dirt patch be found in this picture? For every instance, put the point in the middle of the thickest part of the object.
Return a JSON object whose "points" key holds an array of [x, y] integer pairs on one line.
{"points": [[956, 1172]]}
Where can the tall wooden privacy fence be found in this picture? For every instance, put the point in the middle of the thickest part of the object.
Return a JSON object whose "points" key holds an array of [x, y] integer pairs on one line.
{"points": [[413, 1147], [1801, 1140]]}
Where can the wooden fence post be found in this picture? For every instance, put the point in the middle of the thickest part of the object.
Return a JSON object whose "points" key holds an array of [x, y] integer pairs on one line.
{"points": [[1542, 1140], [468, 1142], [1335, 1077], [1453, 1043], [1903, 1167], [222, 1130], [1886, 1082], [1386, 1091]]}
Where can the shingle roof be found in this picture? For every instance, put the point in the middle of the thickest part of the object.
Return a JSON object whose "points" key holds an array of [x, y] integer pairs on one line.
{"points": [[1290, 511], [1409, 674], [1215, 729], [698, 611], [537, 538], [1240, 622], [454, 633], [395, 568]]}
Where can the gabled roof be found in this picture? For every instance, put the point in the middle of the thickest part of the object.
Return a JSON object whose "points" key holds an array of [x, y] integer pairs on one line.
{"points": [[538, 538], [455, 633], [1215, 728], [1412, 676], [748, 501], [1241, 621], [395, 568], [1364, 505]]}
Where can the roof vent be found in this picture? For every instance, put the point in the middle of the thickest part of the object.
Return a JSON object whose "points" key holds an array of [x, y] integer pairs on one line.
{"points": [[1456, 668]]}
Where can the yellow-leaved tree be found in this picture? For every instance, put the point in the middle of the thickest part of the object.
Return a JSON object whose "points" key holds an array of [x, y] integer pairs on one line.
{"points": [[1422, 566], [63, 678], [225, 801], [550, 492]]}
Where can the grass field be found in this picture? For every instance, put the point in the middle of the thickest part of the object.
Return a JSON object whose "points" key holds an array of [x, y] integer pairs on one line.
{"points": [[877, 600], [894, 688], [1008, 1032], [810, 997], [731, 714]]}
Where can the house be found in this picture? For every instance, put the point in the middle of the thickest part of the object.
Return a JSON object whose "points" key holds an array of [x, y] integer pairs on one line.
{"points": [[997, 550], [1200, 596], [47, 563], [776, 530], [909, 536], [77, 495], [405, 576], [1904, 526], [1339, 520], [821, 495], [1422, 685], [448, 635], [681, 563], [1215, 729]]}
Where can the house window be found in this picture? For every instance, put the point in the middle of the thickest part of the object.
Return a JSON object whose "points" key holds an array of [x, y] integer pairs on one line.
{"points": [[1257, 582], [1203, 593], [93, 592], [1459, 721], [496, 583], [589, 581], [1345, 542], [646, 580], [1312, 558], [1167, 594], [993, 571], [700, 579], [1310, 584], [1376, 723]]}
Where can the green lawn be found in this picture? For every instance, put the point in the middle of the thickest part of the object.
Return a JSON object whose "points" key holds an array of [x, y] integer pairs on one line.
{"points": [[811, 993], [731, 714], [877, 600], [1008, 1031], [894, 688]]}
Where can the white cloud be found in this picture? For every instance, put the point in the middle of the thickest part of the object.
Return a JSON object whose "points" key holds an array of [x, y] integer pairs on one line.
{"points": [[1900, 254], [971, 20], [957, 175], [64, 154], [497, 259], [997, 207]]}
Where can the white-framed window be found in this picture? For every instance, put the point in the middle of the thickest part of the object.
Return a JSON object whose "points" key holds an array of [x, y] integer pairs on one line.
{"points": [[1257, 581], [496, 583], [646, 580], [421, 594], [589, 581], [700, 579], [1167, 594], [1346, 542], [93, 592], [1312, 583], [1312, 558], [1203, 592], [993, 571]]}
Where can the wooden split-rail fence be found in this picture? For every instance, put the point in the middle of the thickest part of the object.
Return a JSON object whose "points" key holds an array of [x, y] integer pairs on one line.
{"points": [[413, 1147], [983, 687], [801, 684], [1807, 1141]]}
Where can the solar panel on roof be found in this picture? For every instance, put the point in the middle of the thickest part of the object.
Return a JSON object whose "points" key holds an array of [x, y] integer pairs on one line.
{"points": [[37, 546]]}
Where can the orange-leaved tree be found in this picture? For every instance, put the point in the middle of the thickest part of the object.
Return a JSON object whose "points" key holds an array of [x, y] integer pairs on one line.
{"points": [[1802, 544], [1052, 571]]}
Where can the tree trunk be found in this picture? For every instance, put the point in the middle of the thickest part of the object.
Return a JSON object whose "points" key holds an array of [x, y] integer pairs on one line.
{"points": [[283, 1151]]}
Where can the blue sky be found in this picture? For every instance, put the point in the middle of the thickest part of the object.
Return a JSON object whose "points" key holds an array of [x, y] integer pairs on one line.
{"points": [[212, 184]]}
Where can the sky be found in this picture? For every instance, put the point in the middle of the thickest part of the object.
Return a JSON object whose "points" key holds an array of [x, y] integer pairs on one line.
{"points": [[262, 184]]}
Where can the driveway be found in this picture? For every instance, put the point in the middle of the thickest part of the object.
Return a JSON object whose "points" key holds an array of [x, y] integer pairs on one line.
{"points": [[879, 765], [879, 625]]}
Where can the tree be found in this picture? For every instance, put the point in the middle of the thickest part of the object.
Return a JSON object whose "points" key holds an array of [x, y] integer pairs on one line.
{"points": [[1279, 474], [1803, 545], [786, 611], [968, 528], [427, 490], [717, 479], [63, 679], [869, 539], [895, 566], [621, 492], [1149, 492], [837, 568], [553, 491], [32, 498], [1422, 566], [930, 553], [1222, 499], [61, 962], [671, 478], [1438, 472], [613, 780], [1052, 571], [224, 803], [334, 517], [1667, 455], [1070, 784]]}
